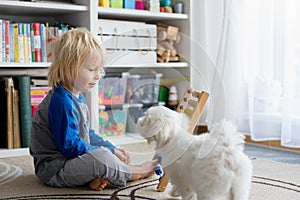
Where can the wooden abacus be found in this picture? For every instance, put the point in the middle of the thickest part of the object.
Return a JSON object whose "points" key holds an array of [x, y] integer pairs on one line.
{"points": [[192, 103]]}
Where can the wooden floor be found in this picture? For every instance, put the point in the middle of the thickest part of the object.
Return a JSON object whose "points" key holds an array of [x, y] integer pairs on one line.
{"points": [[272, 143]]}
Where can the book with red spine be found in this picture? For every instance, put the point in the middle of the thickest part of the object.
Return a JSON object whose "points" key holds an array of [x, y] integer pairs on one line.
{"points": [[7, 41], [37, 41]]}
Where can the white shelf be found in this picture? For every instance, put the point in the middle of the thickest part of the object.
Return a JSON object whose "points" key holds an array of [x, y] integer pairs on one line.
{"points": [[5, 153], [156, 65], [40, 8], [24, 65], [139, 15], [24, 69]]}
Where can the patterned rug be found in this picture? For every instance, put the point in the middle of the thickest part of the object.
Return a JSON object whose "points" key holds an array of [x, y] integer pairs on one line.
{"points": [[272, 180]]}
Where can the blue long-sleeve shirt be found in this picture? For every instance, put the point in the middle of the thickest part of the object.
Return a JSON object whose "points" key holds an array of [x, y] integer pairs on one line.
{"points": [[60, 131], [69, 120]]}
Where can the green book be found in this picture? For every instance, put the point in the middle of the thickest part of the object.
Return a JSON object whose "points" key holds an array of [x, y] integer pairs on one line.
{"points": [[25, 109]]}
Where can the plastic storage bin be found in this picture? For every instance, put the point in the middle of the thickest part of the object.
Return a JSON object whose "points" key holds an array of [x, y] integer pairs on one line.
{"points": [[112, 89], [143, 88], [112, 120]]}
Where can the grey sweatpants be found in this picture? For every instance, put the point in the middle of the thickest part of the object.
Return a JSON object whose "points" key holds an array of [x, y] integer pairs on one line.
{"points": [[101, 163]]}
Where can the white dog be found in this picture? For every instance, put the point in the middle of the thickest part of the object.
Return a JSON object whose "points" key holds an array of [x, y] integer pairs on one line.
{"points": [[209, 166]]}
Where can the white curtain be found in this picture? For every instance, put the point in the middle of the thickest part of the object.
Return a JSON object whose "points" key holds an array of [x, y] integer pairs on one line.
{"points": [[258, 61]]}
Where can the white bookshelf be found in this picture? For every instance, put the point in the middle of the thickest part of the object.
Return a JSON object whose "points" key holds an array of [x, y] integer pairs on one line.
{"points": [[140, 15], [86, 13], [41, 8], [156, 65]]}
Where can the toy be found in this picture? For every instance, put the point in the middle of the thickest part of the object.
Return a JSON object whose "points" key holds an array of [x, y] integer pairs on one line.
{"points": [[167, 36], [166, 5], [173, 98], [158, 170], [112, 122]]}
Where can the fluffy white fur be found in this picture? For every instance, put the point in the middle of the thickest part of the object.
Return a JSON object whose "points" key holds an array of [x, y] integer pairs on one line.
{"points": [[209, 166]]}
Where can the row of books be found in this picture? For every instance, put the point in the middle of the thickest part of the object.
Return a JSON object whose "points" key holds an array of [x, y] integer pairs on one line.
{"points": [[28, 42], [39, 89], [18, 99]]}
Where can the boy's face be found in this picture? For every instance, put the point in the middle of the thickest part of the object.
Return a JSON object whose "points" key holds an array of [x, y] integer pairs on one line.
{"points": [[89, 75]]}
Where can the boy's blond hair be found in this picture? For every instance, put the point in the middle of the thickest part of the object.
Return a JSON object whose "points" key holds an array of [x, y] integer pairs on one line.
{"points": [[70, 51]]}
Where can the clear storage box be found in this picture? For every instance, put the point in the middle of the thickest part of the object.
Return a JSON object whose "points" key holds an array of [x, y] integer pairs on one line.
{"points": [[112, 120], [112, 88], [143, 88]]}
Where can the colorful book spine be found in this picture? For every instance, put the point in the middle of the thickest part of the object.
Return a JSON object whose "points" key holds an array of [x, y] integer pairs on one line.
{"points": [[1, 24], [32, 42], [25, 42], [50, 43], [29, 42], [16, 43], [37, 42], [3, 40], [7, 40], [21, 42], [37, 94], [43, 42], [12, 42], [25, 109]]}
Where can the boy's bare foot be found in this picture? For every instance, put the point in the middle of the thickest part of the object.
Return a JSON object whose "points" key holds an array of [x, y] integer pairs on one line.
{"points": [[143, 170], [98, 184]]}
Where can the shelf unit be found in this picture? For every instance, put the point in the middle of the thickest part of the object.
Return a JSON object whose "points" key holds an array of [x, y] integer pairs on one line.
{"points": [[169, 70], [86, 13], [79, 14]]}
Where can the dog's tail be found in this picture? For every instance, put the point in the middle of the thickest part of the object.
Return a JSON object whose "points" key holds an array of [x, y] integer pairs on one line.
{"points": [[227, 134], [222, 134]]}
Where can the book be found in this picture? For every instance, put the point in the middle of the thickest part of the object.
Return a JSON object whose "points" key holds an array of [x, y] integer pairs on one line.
{"points": [[25, 109], [50, 43], [39, 82], [7, 41], [3, 40], [6, 110], [1, 24], [37, 42], [25, 42], [37, 94], [32, 42], [21, 42], [12, 43], [43, 42], [16, 43], [16, 121], [29, 42]]}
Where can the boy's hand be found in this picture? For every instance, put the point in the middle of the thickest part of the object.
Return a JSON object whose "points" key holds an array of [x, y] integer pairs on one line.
{"points": [[123, 155]]}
